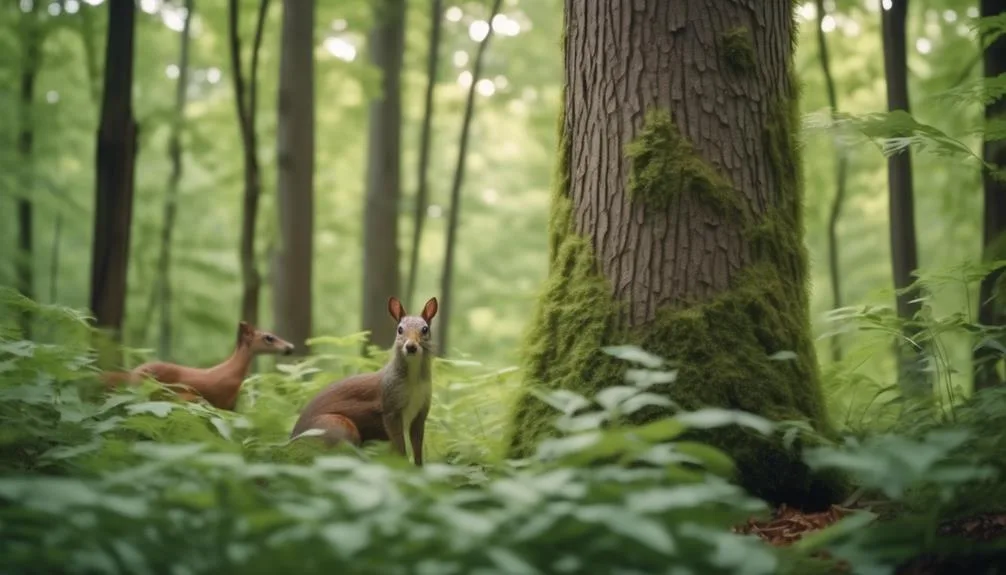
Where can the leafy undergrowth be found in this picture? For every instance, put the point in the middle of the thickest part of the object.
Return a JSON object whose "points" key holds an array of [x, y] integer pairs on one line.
{"points": [[137, 482]]}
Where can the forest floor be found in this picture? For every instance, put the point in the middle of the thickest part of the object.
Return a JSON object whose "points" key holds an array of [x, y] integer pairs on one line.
{"points": [[788, 525]]}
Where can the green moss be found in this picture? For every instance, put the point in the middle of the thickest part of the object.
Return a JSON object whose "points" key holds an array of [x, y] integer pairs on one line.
{"points": [[664, 165], [738, 51]]}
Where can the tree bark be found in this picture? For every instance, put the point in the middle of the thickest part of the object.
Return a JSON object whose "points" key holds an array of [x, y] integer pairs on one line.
{"points": [[31, 56], [446, 278], [422, 193], [295, 188], [990, 305], [911, 377], [116, 156], [380, 220], [677, 225], [246, 108], [841, 172], [163, 281]]}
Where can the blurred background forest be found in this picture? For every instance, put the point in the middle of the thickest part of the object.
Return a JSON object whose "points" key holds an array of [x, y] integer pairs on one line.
{"points": [[500, 245], [491, 106]]}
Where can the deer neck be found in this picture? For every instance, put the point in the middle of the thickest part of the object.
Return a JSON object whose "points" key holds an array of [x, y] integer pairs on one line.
{"points": [[236, 366]]}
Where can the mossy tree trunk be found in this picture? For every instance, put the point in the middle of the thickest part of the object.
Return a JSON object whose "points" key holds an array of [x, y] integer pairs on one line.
{"points": [[677, 222]]}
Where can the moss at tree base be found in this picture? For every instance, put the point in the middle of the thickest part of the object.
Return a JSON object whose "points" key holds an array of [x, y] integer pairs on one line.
{"points": [[721, 350]]}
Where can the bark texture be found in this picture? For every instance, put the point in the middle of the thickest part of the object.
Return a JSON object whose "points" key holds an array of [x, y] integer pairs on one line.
{"points": [[115, 166], [904, 255], [380, 221], [677, 223], [245, 96], [990, 303], [295, 186], [422, 191], [454, 212]]}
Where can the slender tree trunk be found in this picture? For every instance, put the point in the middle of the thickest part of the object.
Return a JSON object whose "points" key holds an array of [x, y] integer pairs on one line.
{"points": [[163, 281], [295, 188], [911, 376], [245, 98], [446, 301], [841, 171], [31, 55], [117, 138], [380, 220], [422, 193], [990, 307], [677, 225]]}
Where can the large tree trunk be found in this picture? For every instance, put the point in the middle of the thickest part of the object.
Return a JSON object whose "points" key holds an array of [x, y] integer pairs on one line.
{"points": [[245, 98], [841, 171], [677, 223], [380, 220], [31, 55], [422, 192], [990, 307], [115, 165], [295, 190], [163, 281], [912, 377], [454, 211]]}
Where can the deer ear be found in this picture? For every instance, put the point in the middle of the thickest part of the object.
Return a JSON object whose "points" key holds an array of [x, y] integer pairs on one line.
{"points": [[244, 328], [430, 310], [396, 309]]}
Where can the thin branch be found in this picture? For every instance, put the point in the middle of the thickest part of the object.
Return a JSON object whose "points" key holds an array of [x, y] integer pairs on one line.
{"points": [[841, 171], [459, 174], [422, 193]]}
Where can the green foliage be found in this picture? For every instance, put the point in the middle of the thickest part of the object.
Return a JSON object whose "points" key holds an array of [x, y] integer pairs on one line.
{"points": [[135, 481]]}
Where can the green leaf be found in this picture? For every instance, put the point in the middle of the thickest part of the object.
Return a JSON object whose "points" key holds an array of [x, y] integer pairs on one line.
{"points": [[784, 355], [510, 562], [156, 408], [641, 529], [661, 430], [634, 354], [610, 397], [716, 417]]}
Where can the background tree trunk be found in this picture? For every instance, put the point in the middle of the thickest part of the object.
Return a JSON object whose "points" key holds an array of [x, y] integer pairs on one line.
{"points": [[841, 171], [677, 224], [163, 282], [459, 176], [904, 257], [990, 308], [380, 220], [246, 107], [31, 56], [295, 189], [422, 193], [115, 165]]}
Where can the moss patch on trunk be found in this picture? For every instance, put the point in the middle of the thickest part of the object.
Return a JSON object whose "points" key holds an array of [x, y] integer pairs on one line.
{"points": [[738, 51], [664, 165]]}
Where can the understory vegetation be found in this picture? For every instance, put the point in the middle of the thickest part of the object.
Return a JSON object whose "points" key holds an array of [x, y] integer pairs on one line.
{"points": [[133, 480]]}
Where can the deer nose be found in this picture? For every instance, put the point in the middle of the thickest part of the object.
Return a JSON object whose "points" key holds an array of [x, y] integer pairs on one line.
{"points": [[411, 347], [289, 350]]}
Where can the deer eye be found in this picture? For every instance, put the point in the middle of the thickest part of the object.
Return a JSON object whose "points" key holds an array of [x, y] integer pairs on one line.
{"points": [[400, 330], [269, 339], [426, 329]]}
